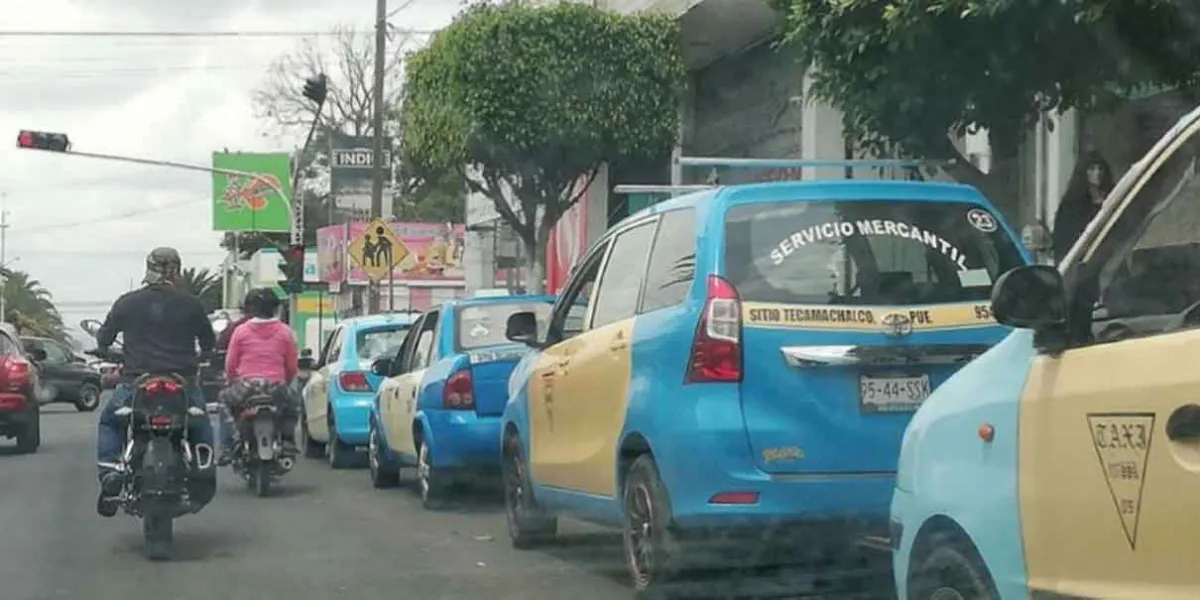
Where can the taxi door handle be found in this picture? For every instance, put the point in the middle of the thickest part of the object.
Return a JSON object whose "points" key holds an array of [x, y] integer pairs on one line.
{"points": [[1184, 424], [618, 345]]}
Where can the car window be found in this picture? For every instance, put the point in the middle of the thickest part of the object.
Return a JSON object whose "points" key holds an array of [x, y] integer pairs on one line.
{"points": [[672, 261], [1147, 281], [333, 346], [55, 354], [616, 295], [423, 347], [377, 342], [865, 252], [483, 325], [8, 346], [571, 308], [410, 338]]}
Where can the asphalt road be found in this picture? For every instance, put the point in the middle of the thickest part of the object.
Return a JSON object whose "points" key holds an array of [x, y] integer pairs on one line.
{"points": [[322, 534]]}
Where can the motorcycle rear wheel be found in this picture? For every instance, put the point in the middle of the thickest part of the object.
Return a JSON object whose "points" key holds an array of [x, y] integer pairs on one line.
{"points": [[261, 477], [158, 532]]}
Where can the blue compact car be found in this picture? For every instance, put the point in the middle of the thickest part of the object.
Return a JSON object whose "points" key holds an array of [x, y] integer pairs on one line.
{"points": [[439, 407], [337, 398], [727, 375]]}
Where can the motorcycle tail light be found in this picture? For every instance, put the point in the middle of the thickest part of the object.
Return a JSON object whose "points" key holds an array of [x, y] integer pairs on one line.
{"points": [[159, 420]]}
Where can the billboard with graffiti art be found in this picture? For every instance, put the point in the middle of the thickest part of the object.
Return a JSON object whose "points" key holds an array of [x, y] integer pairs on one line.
{"points": [[242, 203]]}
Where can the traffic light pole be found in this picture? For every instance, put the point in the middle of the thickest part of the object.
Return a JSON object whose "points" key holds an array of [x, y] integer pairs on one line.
{"points": [[377, 133]]}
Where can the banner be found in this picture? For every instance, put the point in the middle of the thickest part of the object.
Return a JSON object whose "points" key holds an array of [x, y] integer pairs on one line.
{"points": [[350, 175], [567, 243], [331, 254], [249, 204], [433, 252]]}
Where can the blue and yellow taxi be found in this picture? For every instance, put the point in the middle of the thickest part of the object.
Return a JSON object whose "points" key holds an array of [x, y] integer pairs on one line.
{"points": [[1065, 462], [739, 364]]}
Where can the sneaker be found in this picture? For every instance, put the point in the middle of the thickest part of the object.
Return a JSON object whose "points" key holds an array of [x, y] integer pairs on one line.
{"points": [[110, 494], [288, 447]]}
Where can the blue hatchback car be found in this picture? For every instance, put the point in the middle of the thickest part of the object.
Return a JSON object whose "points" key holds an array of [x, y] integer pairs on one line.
{"points": [[739, 365], [337, 398], [439, 407]]}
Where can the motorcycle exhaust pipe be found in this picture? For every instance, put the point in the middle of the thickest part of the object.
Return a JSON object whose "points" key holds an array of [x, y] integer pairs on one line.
{"points": [[286, 463]]}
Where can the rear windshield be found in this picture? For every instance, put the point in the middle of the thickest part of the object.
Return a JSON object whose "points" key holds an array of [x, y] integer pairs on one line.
{"points": [[483, 325], [380, 342], [870, 252]]}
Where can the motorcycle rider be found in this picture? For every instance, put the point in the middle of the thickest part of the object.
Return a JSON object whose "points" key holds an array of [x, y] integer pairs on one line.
{"points": [[262, 356], [161, 323]]}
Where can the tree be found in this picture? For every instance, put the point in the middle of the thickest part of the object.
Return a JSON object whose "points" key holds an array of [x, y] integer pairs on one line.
{"points": [[30, 306], [535, 99], [347, 57], [203, 284], [908, 75]]}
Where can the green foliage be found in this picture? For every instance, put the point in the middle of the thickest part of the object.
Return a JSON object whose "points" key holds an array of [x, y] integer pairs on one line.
{"points": [[539, 97], [907, 73], [205, 285], [30, 306]]}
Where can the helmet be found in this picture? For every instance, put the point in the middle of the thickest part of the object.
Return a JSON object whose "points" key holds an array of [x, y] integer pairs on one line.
{"points": [[261, 302], [163, 265]]}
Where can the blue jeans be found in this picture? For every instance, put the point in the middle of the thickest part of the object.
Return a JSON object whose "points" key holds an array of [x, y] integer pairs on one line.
{"points": [[110, 435]]}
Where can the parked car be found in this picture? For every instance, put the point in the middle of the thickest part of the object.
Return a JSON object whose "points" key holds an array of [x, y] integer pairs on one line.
{"points": [[1064, 462], [738, 365], [20, 415], [341, 389], [439, 407], [65, 376]]}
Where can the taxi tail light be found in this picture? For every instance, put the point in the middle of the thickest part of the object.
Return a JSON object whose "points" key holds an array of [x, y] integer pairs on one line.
{"points": [[717, 347], [354, 381], [459, 392]]}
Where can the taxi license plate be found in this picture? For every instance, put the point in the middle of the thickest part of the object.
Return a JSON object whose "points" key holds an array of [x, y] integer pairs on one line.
{"points": [[892, 394]]}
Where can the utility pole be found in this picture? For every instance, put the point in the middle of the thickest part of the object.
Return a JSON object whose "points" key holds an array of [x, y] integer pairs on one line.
{"points": [[3, 253], [377, 132]]}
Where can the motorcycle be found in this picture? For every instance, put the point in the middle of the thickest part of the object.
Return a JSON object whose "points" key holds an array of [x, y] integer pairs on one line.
{"points": [[258, 456], [159, 463]]}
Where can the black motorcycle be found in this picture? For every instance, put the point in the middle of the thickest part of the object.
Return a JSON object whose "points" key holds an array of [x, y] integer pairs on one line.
{"points": [[258, 454], [161, 466]]}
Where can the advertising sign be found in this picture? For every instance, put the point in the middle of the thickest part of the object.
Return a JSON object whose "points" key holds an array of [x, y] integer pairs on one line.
{"points": [[331, 254], [249, 204], [433, 252], [567, 243], [351, 172]]}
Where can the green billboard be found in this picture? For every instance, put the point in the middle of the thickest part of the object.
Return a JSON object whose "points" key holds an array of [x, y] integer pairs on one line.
{"points": [[243, 203]]}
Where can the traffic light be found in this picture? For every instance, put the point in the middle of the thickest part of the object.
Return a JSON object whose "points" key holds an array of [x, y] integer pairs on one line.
{"points": [[292, 266], [41, 140], [316, 87]]}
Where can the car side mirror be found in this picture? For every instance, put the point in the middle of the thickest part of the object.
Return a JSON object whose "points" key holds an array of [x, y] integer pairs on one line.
{"points": [[1030, 297], [382, 366], [306, 353], [522, 327], [37, 354], [307, 363]]}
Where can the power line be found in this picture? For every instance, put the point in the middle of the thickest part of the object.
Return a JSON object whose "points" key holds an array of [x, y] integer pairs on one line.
{"points": [[54, 227], [186, 34]]}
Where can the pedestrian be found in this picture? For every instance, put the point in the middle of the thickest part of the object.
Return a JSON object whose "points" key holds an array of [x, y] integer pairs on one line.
{"points": [[1089, 185], [370, 251]]}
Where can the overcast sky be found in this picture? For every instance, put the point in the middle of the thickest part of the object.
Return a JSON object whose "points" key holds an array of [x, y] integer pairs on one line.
{"points": [[83, 226]]}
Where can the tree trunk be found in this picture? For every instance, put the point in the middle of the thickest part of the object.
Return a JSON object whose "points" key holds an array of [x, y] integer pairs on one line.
{"points": [[535, 267]]}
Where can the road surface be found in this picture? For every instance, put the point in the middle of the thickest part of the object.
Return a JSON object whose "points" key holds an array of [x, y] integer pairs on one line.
{"points": [[323, 534]]}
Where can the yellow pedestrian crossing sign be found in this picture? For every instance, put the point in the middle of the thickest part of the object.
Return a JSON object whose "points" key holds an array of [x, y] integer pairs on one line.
{"points": [[377, 250]]}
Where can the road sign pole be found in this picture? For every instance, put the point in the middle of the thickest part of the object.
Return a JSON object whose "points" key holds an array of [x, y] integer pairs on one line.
{"points": [[392, 289]]}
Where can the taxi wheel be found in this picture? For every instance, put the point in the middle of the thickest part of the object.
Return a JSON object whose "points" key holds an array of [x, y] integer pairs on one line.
{"points": [[341, 455], [311, 447], [649, 546], [383, 475], [528, 525], [433, 491], [951, 571]]}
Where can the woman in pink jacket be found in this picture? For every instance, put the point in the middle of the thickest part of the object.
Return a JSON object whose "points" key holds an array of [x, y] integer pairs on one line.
{"points": [[262, 356]]}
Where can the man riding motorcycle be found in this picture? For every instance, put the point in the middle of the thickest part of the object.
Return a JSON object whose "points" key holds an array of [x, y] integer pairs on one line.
{"points": [[262, 358], [161, 325]]}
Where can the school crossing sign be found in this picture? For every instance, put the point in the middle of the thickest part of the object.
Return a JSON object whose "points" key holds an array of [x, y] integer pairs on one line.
{"points": [[377, 250]]}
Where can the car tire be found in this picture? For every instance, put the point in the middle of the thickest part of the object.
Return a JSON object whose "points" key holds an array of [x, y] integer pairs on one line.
{"points": [[528, 525], [951, 570], [430, 488], [341, 455], [310, 447], [383, 475], [649, 546], [89, 398], [30, 438]]}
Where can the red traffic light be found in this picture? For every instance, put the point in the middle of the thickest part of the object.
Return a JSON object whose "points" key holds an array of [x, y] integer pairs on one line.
{"points": [[295, 253], [41, 140]]}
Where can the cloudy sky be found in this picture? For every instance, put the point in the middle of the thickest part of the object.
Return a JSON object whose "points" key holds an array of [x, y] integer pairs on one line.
{"points": [[83, 226]]}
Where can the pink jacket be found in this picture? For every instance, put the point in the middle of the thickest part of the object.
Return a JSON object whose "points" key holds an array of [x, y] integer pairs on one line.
{"points": [[262, 349]]}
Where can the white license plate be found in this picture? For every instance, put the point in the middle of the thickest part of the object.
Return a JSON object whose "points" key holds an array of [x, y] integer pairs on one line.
{"points": [[892, 394]]}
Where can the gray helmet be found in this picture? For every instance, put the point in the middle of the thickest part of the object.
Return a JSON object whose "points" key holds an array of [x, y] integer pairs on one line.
{"points": [[162, 266]]}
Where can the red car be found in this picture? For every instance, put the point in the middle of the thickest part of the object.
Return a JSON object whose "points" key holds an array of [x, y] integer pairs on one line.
{"points": [[20, 416]]}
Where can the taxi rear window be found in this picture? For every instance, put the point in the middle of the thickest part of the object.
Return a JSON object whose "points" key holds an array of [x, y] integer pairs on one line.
{"points": [[483, 325], [865, 252]]}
